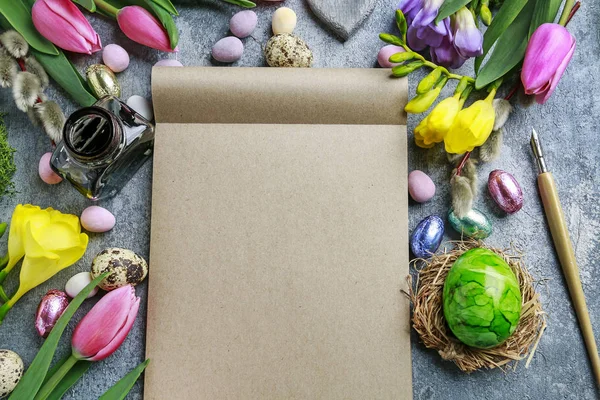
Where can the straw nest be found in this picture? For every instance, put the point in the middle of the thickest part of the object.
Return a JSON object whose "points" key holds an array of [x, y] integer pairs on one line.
{"points": [[428, 317]]}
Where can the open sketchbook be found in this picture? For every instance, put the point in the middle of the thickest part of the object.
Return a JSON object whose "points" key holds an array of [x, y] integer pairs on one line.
{"points": [[279, 243]]}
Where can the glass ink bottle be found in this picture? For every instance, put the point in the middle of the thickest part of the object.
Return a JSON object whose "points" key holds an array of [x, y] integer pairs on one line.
{"points": [[102, 147]]}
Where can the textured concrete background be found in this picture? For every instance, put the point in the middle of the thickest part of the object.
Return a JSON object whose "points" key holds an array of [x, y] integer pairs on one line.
{"points": [[567, 124]]}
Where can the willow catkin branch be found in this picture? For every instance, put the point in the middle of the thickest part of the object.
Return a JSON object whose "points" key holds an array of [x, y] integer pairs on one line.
{"points": [[26, 90], [462, 194], [52, 119], [8, 70], [32, 65], [490, 150], [14, 43], [470, 172]]}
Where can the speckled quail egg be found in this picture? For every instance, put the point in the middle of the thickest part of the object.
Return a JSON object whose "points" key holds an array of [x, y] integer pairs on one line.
{"points": [[287, 50], [11, 371], [125, 266]]}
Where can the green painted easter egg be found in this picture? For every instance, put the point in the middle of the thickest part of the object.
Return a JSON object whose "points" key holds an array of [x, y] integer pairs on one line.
{"points": [[482, 299]]}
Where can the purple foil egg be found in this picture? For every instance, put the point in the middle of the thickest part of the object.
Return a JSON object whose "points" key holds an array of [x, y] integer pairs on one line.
{"points": [[505, 190], [52, 306]]}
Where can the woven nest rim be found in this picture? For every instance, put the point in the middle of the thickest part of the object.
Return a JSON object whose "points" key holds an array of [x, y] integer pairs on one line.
{"points": [[425, 295]]}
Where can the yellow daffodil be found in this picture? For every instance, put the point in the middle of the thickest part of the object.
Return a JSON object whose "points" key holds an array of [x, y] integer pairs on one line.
{"points": [[49, 240], [471, 127], [436, 125]]}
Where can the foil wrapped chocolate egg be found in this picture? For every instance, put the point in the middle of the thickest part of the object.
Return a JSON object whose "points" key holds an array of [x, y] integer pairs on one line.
{"points": [[475, 224], [102, 81], [427, 236], [53, 305], [505, 191]]}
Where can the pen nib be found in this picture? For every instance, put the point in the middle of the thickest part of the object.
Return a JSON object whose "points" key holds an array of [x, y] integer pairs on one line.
{"points": [[536, 146]]}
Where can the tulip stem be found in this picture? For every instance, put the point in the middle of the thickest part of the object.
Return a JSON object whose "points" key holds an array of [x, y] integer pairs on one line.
{"points": [[107, 8], [51, 384], [565, 12], [3, 295], [3, 261]]}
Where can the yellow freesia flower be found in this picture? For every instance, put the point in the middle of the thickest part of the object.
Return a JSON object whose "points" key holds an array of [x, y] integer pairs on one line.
{"points": [[50, 241], [421, 102], [471, 127], [436, 125]]}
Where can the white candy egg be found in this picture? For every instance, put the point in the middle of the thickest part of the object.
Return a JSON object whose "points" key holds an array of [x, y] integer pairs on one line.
{"points": [[77, 283]]}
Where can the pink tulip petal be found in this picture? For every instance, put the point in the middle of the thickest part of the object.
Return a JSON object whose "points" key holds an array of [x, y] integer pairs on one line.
{"points": [[557, 75], [104, 321], [120, 336], [549, 45], [61, 22], [141, 26]]}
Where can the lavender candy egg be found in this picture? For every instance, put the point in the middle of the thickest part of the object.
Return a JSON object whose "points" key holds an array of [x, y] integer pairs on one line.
{"points": [[228, 49], [52, 306], [427, 236], [242, 24], [506, 191]]}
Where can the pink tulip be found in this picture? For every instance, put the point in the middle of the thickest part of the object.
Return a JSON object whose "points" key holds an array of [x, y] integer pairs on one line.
{"points": [[548, 53], [106, 326], [141, 26], [61, 22]]}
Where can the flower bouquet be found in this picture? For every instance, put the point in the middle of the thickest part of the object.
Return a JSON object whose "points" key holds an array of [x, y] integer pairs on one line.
{"points": [[521, 41]]}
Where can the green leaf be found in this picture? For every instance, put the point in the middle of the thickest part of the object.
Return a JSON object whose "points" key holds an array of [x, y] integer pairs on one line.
{"points": [[35, 375], [449, 7], [509, 49], [19, 17], [503, 19], [121, 388], [63, 72], [87, 4], [545, 11], [391, 39], [241, 3], [167, 21], [402, 25], [167, 5], [74, 374]]}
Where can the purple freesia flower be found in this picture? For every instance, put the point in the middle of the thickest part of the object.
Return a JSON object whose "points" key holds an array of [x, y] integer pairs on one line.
{"points": [[547, 56], [428, 12], [468, 40], [446, 55], [410, 8]]}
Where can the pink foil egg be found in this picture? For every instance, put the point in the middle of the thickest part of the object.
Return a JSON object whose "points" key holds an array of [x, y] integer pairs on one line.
{"points": [[97, 219], [53, 305], [383, 58], [46, 173], [420, 186], [505, 191]]}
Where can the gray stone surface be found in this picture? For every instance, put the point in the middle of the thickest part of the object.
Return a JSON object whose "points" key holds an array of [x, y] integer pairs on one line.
{"points": [[567, 124]]}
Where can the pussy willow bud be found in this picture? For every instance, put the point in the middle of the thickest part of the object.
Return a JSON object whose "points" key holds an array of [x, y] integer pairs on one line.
{"points": [[462, 195], [32, 65], [469, 171], [490, 150], [51, 118], [431, 79], [14, 43], [8, 70], [26, 89], [502, 109]]}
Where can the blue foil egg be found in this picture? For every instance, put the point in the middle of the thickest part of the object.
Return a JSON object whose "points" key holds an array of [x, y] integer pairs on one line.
{"points": [[427, 236]]}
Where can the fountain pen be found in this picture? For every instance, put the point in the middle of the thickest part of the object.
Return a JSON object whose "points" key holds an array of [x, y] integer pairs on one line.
{"points": [[564, 249]]}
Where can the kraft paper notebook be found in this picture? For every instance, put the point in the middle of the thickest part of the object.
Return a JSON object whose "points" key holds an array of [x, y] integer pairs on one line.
{"points": [[279, 243]]}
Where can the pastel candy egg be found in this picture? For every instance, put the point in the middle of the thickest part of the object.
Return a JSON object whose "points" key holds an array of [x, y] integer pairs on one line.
{"points": [[420, 186], [115, 57], [242, 24], [141, 106], [284, 20], [474, 225], [168, 63], [97, 219], [383, 58], [77, 283], [427, 236], [505, 191], [46, 172], [228, 49]]}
